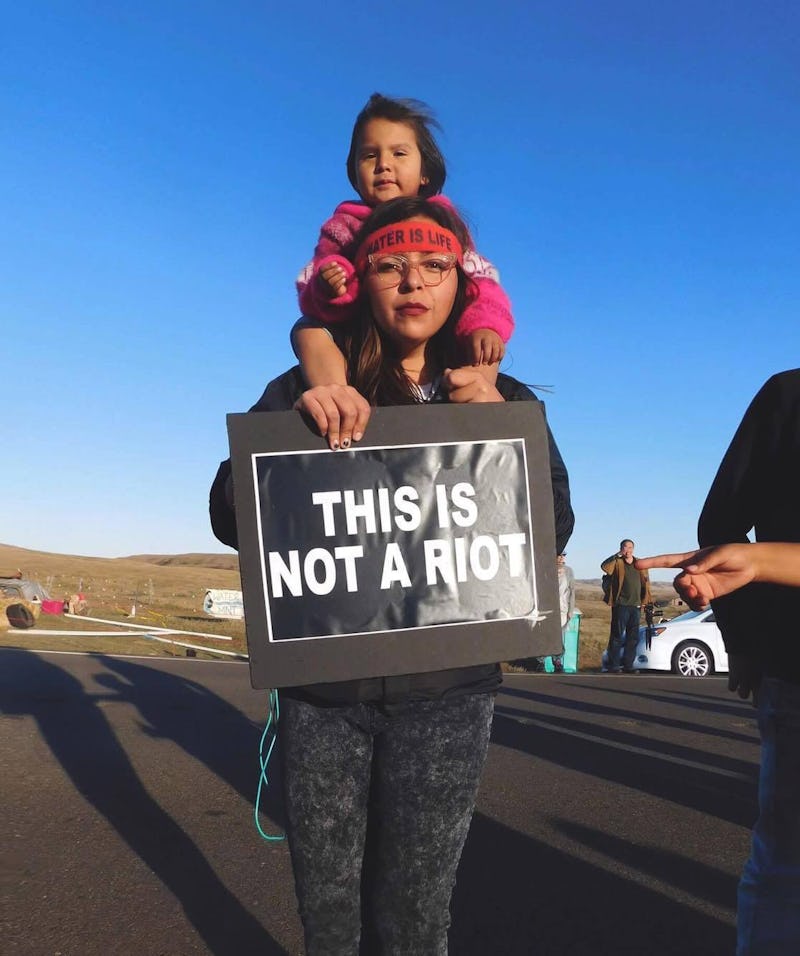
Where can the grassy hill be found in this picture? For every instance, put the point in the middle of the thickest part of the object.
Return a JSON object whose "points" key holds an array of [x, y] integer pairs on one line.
{"points": [[168, 591], [165, 590], [219, 562]]}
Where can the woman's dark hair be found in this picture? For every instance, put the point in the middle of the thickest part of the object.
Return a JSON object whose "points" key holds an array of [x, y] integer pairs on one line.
{"points": [[373, 366], [419, 117]]}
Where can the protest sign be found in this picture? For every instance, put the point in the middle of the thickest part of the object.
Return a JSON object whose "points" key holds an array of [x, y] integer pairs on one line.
{"points": [[429, 545]]}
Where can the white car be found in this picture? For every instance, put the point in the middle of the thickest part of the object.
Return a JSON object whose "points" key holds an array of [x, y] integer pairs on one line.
{"points": [[690, 645]]}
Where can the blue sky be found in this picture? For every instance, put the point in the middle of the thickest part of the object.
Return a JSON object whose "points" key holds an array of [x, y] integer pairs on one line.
{"points": [[630, 167]]}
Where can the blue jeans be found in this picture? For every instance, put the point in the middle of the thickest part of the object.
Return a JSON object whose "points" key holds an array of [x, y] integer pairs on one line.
{"points": [[624, 630], [768, 922], [378, 805]]}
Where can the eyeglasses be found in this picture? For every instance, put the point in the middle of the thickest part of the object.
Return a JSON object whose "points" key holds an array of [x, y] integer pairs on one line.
{"points": [[390, 271]]}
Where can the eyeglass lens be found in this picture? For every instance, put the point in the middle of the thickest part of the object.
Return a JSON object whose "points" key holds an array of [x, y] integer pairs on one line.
{"points": [[391, 270]]}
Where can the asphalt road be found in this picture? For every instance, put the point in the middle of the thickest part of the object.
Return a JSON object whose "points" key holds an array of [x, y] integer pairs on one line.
{"points": [[613, 816]]}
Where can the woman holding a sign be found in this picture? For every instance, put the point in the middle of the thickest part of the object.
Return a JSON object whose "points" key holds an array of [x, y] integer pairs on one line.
{"points": [[381, 773]]}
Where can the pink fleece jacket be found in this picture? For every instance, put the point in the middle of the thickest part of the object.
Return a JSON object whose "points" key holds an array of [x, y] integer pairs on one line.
{"points": [[490, 309]]}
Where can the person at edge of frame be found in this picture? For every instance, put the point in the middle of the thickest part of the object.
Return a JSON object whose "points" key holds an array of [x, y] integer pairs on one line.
{"points": [[757, 487]]}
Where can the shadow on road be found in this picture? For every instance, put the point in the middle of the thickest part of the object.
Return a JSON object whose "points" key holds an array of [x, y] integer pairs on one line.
{"points": [[520, 897], [721, 787], [730, 705], [693, 878], [83, 742], [204, 725], [515, 895], [676, 723]]}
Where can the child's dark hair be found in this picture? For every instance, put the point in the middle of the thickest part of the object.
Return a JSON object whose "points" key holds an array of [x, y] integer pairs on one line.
{"points": [[419, 117]]}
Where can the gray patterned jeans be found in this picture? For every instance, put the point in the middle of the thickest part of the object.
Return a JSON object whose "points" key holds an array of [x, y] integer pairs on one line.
{"points": [[378, 807]]}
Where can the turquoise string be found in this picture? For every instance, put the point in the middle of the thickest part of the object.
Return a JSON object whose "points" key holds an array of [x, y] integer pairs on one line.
{"points": [[263, 781]]}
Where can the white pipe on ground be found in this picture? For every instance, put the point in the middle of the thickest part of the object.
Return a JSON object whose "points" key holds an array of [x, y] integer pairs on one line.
{"points": [[151, 628]]}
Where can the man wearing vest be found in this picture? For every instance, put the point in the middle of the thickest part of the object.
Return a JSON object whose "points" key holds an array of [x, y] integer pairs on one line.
{"points": [[628, 590]]}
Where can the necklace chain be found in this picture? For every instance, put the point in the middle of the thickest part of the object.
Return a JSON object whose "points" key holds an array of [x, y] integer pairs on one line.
{"points": [[434, 386]]}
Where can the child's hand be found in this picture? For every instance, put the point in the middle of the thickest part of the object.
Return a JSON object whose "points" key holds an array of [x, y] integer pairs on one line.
{"points": [[484, 347], [333, 280], [339, 411]]}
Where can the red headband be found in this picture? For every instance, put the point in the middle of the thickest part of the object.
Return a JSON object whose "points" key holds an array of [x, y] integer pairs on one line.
{"points": [[408, 236]]}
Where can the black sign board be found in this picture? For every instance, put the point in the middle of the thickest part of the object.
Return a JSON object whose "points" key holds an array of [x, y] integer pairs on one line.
{"points": [[428, 545]]}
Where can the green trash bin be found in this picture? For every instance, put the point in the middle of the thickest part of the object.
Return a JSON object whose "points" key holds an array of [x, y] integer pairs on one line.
{"points": [[571, 645]]}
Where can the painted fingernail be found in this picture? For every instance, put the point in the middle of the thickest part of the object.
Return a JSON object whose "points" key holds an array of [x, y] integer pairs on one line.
{"points": [[345, 443], [335, 445]]}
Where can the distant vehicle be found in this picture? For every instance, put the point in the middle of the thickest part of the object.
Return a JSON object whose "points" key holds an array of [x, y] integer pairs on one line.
{"points": [[690, 645], [223, 602], [20, 602]]}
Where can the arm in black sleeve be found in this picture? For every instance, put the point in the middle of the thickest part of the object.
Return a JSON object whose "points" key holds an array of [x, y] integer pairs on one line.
{"points": [[514, 391], [220, 506], [732, 508], [280, 395], [562, 507]]}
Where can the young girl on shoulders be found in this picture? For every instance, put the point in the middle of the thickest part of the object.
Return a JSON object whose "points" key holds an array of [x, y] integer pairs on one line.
{"points": [[392, 154]]}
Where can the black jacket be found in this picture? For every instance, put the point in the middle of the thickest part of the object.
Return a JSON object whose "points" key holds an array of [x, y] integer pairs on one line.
{"points": [[280, 395], [758, 486]]}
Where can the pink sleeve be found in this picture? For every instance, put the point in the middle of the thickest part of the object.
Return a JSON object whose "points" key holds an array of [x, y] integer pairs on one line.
{"points": [[490, 309], [336, 233], [340, 230]]}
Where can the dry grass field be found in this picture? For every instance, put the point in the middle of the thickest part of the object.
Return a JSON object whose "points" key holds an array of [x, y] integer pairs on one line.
{"points": [[167, 591], [596, 616]]}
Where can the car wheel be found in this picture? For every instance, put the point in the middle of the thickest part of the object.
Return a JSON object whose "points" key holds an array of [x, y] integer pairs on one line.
{"points": [[692, 659]]}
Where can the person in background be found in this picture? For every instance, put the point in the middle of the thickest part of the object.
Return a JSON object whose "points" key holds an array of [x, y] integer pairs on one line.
{"points": [[566, 600], [757, 487], [628, 590]]}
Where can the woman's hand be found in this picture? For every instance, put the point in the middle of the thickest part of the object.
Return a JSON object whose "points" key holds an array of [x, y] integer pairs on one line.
{"points": [[707, 574], [713, 572], [468, 384], [339, 412]]}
